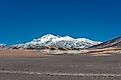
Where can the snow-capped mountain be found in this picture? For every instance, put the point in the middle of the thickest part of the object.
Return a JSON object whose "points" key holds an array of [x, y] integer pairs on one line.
{"points": [[2, 45], [50, 40]]}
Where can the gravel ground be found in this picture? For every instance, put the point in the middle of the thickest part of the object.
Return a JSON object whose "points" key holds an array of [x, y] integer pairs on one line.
{"points": [[61, 64]]}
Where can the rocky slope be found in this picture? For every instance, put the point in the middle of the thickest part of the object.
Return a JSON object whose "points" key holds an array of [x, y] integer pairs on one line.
{"points": [[116, 42]]}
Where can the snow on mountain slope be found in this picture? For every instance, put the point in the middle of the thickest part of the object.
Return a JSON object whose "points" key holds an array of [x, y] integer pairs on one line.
{"points": [[58, 42], [2, 45]]}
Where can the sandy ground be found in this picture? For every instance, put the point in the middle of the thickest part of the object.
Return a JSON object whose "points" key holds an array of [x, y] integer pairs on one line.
{"points": [[45, 52], [91, 52], [31, 65], [19, 53]]}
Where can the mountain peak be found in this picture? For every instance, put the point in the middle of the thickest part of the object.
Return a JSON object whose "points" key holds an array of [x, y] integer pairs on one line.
{"points": [[48, 37], [58, 42]]}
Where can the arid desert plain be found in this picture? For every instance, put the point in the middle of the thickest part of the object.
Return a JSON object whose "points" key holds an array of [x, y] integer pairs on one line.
{"points": [[98, 64]]}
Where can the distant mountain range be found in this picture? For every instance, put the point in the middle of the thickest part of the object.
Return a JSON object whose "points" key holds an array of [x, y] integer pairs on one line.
{"points": [[57, 42], [53, 41], [2, 45]]}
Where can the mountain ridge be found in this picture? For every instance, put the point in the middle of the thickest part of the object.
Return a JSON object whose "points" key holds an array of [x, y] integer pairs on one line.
{"points": [[65, 42], [58, 42], [2, 45], [115, 42]]}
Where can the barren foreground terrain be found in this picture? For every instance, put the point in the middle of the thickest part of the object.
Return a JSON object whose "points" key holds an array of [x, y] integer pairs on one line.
{"points": [[58, 67]]}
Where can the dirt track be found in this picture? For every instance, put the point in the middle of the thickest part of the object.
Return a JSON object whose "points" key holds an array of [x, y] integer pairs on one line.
{"points": [[72, 64]]}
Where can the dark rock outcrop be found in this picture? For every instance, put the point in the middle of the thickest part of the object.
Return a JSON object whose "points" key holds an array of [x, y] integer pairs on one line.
{"points": [[116, 42]]}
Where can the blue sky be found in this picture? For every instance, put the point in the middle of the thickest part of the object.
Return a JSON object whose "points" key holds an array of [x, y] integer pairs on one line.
{"points": [[23, 20]]}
